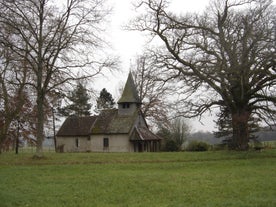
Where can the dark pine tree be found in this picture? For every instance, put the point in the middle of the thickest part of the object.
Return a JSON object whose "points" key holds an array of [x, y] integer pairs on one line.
{"points": [[225, 129], [105, 100], [224, 124], [80, 105]]}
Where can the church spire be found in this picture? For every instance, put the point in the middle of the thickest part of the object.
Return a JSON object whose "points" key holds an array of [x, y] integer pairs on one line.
{"points": [[130, 93], [129, 102]]}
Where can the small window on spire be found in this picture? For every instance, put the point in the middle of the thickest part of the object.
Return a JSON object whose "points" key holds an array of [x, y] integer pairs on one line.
{"points": [[125, 105]]}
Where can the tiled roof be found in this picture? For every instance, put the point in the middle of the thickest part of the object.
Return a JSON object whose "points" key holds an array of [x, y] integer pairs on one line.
{"points": [[77, 126], [110, 122]]}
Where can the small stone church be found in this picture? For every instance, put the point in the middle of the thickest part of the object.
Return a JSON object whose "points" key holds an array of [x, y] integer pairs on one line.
{"points": [[113, 130]]}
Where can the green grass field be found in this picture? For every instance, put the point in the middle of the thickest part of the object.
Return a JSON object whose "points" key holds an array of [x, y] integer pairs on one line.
{"points": [[218, 178]]}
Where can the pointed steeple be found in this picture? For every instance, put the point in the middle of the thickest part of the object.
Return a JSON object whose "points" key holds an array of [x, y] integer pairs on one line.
{"points": [[130, 93]]}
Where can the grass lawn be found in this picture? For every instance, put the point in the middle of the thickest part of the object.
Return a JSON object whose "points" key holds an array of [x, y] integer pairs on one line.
{"points": [[139, 179]]}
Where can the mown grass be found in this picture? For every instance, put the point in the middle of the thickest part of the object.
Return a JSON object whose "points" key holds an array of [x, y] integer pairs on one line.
{"points": [[145, 179]]}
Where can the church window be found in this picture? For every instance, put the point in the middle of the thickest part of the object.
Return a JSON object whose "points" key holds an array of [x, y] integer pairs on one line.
{"points": [[106, 142], [77, 142]]}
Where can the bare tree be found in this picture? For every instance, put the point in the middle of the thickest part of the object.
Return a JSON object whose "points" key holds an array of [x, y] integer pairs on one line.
{"points": [[174, 134], [13, 95], [224, 57], [153, 92], [56, 39]]}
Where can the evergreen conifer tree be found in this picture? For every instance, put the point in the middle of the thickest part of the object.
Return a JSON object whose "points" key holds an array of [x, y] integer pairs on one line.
{"points": [[105, 100], [80, 105], [225, 129]]}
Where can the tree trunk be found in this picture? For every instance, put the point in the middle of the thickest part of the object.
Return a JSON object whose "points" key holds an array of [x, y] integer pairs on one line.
{"points": [[40, 125], [1, 143], [2, 137], [240, 130], [3, 134]]}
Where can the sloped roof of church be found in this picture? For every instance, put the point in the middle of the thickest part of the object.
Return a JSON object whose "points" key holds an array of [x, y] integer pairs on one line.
{"points": [[77, 126], [108, 122], [130, 93], [111, 122]]}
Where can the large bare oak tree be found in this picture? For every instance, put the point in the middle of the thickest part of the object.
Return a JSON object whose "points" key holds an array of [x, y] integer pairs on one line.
{"points": [[224, 57]]}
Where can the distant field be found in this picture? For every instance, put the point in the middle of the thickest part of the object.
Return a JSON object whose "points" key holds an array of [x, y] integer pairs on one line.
{"points": [[139, 179]]}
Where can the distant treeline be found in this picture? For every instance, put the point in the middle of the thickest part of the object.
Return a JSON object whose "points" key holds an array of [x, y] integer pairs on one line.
{"points": [[266, 134]]}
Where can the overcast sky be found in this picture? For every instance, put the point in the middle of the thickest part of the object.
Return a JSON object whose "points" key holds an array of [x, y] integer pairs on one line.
{"points": [[128, 44]]}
